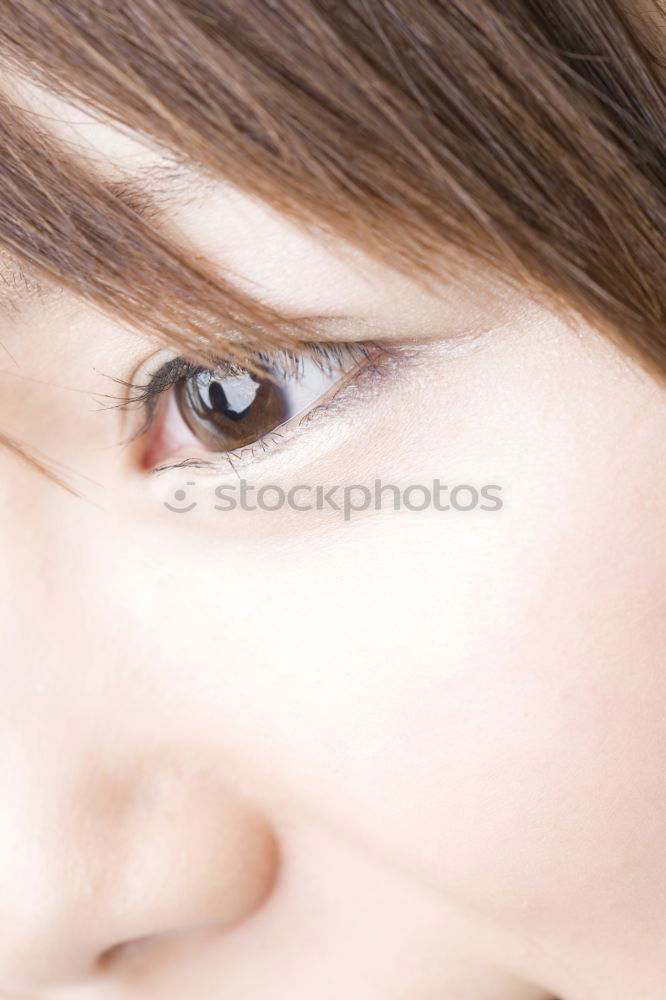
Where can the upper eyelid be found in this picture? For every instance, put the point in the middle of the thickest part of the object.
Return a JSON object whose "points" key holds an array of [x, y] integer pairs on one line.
{"points": [[248, 454], [163, 371], [152, 379], [178, 367]]}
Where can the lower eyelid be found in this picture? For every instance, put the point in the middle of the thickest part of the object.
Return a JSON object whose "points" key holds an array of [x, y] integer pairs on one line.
{"points": [[360, 384], [250, 453]]}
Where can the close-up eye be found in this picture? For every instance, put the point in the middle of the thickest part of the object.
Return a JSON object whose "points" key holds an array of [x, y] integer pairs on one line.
{"points": [[192, 409]]}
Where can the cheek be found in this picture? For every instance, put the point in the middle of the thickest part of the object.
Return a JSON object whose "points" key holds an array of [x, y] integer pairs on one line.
{"points": [[489, 717], [477, 699]]}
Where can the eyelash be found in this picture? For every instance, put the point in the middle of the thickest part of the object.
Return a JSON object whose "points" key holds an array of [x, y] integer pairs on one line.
{"points": [[361, 358]]}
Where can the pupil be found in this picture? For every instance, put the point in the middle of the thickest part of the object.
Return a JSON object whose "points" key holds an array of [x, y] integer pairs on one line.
{"points": [[234, 399], [228, 411]]}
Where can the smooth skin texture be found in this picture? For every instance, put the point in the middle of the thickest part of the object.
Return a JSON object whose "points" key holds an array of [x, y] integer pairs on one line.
{"points": [[279, 755]]}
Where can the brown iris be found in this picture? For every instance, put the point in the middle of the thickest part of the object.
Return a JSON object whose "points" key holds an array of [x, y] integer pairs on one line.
{"points": [[227, 411]]}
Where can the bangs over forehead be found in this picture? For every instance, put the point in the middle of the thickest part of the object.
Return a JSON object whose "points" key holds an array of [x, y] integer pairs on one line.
{"points": [[527, 137]]}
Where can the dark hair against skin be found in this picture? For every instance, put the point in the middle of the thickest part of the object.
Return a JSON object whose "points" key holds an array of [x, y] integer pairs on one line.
{"points": [[528, 135]]}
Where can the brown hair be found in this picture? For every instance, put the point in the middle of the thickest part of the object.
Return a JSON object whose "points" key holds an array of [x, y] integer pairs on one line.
{"points": [[528, 135]]}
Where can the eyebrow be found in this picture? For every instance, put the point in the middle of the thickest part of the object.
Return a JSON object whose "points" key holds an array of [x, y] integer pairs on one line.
{"points": [[17, 285], [151, 191]]}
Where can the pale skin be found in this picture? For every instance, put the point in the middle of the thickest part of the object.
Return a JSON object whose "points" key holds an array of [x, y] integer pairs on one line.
{"points": [[412, 756]]}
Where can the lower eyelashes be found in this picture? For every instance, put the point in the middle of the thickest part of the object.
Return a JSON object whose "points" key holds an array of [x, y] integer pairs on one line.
{"points": [[197, 415]]}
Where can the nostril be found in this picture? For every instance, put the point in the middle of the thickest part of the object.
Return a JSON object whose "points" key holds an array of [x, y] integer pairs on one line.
{"points": [[153, 952], [189, 879], [184, 860], [125, 950], [126, 953]]}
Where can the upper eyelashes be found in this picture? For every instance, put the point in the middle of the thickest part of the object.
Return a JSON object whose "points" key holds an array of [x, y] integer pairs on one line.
{"points": [[224, 408]]}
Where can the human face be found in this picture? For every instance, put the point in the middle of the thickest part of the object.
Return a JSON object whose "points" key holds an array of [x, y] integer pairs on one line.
{"points": [[287, 754]]}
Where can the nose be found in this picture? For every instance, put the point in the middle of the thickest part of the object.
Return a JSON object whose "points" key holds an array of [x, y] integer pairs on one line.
{"points": [[157, 853], [120, 820]]}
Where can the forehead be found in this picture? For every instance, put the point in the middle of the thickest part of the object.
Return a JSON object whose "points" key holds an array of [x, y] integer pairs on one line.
{"points": [[258, 249]]}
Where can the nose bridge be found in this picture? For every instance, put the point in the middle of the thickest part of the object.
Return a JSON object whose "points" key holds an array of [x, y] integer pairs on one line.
{"points": [[34, 913], [92, 859], [110, 831], [39, 554], [55, 613]]}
